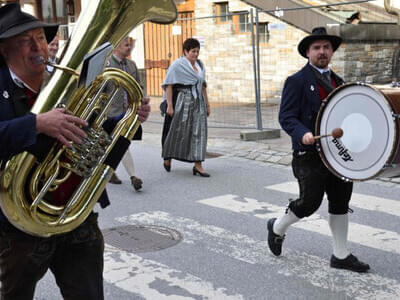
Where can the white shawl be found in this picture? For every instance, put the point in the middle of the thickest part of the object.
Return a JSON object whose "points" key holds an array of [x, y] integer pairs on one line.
{"points": [[181, 72]]}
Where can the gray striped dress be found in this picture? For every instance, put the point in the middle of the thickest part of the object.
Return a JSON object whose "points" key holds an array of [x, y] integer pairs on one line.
{"points": [[187, 137]]}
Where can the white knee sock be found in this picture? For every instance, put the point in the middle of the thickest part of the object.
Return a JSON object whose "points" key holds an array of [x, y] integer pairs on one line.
{"points": [[127, 161], [339, 225], [282, 223]]}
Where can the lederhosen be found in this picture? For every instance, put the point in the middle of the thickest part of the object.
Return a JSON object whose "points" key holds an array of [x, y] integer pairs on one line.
{"points": [[314, 177]]}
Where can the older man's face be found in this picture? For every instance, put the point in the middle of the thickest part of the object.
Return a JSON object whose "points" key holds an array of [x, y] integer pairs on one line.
{"points": [[22, 53]]}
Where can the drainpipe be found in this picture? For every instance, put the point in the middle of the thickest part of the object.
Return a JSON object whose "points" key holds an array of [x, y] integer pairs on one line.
{"points": [[390, 10], [396, 67], [396, 53]]}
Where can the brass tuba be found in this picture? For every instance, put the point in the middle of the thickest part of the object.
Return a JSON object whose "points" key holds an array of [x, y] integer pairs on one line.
{"points": [[28, 179]]}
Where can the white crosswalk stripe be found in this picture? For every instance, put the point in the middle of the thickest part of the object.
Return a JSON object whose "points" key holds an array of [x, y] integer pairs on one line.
{"points": [[244, 248], [135, 274], [365, 235], [373, 203]]}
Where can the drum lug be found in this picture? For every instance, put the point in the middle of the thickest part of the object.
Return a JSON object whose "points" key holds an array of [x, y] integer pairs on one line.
{"points": [[345, 179], [395, 116]]}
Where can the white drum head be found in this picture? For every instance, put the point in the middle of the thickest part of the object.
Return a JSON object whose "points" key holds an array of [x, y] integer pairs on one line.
{"points": [[368, 132]]}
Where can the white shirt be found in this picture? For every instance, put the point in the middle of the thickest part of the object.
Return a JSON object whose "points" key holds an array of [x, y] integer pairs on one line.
{"points": [[321, 70], [50, 68], [20, 82]]}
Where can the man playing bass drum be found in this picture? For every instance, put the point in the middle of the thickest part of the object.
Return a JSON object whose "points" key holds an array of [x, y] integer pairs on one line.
{"points": [[301, 100]]}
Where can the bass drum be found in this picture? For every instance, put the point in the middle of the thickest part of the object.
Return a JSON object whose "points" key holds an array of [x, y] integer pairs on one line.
{"points": [[369, 118]]}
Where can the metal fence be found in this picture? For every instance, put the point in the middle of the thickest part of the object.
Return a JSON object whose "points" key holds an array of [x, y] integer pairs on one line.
{"points": [[249, 54]]}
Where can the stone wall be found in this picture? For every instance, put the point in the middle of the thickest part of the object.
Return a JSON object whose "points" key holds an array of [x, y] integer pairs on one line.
{"points": [[368, 62]]}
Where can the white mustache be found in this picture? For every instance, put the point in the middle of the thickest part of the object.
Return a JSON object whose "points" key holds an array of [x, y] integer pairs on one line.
{"points": [[39, 60]]}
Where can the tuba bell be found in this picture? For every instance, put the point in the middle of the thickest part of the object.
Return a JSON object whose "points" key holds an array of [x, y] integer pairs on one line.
{"points": [[28, 178]]}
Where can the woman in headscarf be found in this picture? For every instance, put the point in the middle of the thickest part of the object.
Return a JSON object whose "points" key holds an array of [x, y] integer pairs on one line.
{"points": [[185, 125]]}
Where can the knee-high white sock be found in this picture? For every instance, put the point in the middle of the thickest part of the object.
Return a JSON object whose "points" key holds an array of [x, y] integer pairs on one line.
{"points": [[127, 162], [339, 225], [282, 223]]}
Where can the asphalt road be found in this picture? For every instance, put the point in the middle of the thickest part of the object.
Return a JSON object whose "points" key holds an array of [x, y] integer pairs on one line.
{"points": [[186, 237]]}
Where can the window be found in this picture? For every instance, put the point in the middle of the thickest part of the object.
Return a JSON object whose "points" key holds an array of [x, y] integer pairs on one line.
{"points": [[263, 32], [244, 25], [54, 11], [223, 11]]}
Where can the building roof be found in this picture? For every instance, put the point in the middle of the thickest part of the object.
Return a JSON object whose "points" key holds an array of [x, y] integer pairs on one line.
{"points": [[366, 12]]}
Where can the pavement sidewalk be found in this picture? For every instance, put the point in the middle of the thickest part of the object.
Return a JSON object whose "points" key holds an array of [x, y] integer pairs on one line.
{"points": [[226, 141]]}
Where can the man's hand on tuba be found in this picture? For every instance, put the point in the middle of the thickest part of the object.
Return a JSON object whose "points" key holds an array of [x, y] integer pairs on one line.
{"points": [[58, 124]]}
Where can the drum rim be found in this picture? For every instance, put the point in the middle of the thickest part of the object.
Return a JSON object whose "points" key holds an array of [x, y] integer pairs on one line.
{"points": [[317, 131]]}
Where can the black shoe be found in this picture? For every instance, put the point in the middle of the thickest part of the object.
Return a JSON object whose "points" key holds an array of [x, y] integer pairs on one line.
{"points": [[349, 263], [274, 241], [114, 179], [136, 183], [167, 167], [204, 174]]}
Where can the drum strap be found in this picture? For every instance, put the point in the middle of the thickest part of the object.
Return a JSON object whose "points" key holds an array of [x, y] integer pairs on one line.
{"points": [[321, 80]]}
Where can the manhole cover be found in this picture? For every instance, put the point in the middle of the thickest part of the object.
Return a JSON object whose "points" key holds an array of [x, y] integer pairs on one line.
{"points": [[141, 238]]}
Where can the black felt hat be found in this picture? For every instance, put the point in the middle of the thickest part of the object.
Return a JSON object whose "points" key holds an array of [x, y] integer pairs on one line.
{"points": [[13, 21], [318, 33]]}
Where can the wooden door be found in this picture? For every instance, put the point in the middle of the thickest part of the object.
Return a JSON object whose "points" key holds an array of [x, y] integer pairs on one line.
{"points": [[162, 47]]}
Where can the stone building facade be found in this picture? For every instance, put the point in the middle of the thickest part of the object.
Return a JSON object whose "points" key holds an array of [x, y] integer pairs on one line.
{"points": [[228, 54]]}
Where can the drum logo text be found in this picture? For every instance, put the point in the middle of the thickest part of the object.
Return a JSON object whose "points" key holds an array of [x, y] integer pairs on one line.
{"points": [[343, 152]]}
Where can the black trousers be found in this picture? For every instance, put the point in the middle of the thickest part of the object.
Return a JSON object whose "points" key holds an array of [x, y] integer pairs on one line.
{"points": [[314, 180], [75, 259]]}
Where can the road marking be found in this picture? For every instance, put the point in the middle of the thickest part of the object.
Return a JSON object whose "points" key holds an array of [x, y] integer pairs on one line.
{"points": [[138, 275], [314, 270], [373, 203], [362, 234]]}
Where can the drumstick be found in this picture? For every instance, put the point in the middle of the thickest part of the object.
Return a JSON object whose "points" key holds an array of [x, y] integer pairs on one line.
{"points": [[336, 133]]}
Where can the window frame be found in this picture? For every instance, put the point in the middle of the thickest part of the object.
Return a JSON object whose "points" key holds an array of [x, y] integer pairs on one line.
{"points": [[223, 17]]}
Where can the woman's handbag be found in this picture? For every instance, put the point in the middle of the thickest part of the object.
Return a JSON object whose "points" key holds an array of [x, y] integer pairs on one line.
{"points": [[163, 107]]}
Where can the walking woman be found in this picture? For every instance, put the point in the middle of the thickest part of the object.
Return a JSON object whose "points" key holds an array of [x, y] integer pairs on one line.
{"points": [[185, 125]]}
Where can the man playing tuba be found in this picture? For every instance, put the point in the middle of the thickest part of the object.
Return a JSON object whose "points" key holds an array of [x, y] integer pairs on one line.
{"points": [[75, 258]]}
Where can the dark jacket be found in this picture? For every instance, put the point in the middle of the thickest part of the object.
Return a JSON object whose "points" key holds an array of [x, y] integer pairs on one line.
{"points": [[18, 125], [118, 105], [300, 105]]}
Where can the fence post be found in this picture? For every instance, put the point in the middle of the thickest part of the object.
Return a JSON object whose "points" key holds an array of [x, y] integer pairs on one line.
{"points": [[258, 99], [256, 73]]}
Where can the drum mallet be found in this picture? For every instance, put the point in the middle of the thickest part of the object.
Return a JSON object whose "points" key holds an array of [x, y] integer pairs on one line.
{"points": [[336, 133]]}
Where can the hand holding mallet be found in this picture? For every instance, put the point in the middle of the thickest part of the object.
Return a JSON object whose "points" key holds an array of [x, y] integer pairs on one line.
{"points": [[336, 133]]}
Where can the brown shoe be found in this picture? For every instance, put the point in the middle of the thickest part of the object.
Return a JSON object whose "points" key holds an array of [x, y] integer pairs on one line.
{"points": [[114, 179], [136, 183]]}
